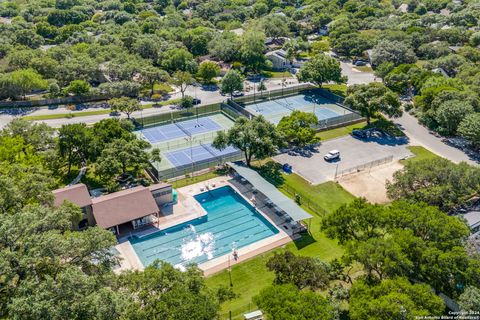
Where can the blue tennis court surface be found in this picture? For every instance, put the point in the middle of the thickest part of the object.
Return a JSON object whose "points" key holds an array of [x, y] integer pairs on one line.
{"points": [[198, 153], [180, 129], [277, 108], [324, 113]]}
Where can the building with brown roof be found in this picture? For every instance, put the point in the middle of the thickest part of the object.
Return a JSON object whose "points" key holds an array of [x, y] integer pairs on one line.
{"points": [[77, 194], [135, 205]]}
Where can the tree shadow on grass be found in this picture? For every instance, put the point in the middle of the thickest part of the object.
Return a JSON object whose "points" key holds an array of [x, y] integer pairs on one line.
{"points": [[306, 240], [272, 172]]}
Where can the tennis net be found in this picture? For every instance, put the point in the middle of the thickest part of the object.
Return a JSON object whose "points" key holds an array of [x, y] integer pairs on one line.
{"points": [[285, 105], [208, 149], [183, 129]]}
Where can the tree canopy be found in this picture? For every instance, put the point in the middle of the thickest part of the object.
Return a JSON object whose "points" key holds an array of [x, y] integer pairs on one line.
{"points": [[297, 128], [256, 138], [232, 81], [373, 99], [321, 69], [393, 299], [287, 302], [437, 182]]}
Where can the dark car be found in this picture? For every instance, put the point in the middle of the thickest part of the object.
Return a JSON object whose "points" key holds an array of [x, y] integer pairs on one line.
{"points": [[360, 63], [360, 134], [196, 101]]}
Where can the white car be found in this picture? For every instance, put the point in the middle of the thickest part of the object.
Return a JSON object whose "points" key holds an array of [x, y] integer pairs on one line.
{"points": [[237, 93], [332, 155]]}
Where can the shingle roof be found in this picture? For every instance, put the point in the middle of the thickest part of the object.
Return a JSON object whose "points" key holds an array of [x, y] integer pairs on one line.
{"points": [[473, 218], [123, 206], [77, 194]]}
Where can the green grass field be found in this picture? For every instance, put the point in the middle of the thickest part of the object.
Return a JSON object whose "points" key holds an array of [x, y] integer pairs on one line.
{"points": [[76, 114], [276, 74], [364, 68], [338, 89], [250, 277], [420, 154], [339, 132], [191, 180]]}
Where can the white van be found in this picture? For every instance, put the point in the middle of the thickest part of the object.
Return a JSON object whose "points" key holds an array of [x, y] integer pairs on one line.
{"points": [[332, 155]]}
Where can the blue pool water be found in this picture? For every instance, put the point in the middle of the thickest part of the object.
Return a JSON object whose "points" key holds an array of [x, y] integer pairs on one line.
{"points": [[231, 222]]}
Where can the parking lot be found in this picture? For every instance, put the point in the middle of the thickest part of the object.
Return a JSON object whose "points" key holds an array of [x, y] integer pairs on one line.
{"points": [[353, 153]]}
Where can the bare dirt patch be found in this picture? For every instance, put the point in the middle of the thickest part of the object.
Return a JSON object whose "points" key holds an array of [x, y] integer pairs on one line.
{"points": [[370, 184]]}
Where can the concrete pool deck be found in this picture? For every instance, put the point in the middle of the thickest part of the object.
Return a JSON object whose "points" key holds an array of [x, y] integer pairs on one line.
{"points": [[188, 209]]}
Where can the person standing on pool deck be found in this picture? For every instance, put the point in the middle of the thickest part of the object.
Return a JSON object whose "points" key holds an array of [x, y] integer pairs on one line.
{"points": [[235, 254]]}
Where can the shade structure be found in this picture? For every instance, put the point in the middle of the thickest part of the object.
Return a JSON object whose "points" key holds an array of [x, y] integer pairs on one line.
{"points": [[270, 191]]}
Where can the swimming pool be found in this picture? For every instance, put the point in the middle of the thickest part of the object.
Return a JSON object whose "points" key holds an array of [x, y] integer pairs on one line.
{"points": [[230, 223]]}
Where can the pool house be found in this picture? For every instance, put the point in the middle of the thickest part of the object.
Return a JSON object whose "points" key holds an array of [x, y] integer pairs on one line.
{"points": [[122, 211]]}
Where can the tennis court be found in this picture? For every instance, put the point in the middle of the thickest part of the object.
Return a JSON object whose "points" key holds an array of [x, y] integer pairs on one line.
{"points": [[275, 109], [180, 129], [198, 153]]}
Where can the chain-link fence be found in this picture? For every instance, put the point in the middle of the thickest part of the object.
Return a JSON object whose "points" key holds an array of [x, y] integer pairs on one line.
{"points": [[190, 169], [238, 104], [269, 94], [171, 116], [363, 167], [342, 120]]}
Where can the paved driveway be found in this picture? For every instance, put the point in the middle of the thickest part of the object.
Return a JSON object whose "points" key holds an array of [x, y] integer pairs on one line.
{"points": [[356, 76], [353, 153]]}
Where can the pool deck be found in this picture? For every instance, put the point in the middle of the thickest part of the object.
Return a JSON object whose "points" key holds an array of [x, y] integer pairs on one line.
{"points": [[187, 208]]}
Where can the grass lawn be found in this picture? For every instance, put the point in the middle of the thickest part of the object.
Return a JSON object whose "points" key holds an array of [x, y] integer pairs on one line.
{"points": [[191, 180], [67, 115], [251, 276], [276, 74], [420, 154], [162, 87], [340, 132], [76, 114], [364, 68], [338, 89], [89, 178]]}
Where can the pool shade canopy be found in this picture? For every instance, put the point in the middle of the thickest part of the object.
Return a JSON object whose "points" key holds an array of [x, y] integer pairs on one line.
{"points": [[269, 190]]}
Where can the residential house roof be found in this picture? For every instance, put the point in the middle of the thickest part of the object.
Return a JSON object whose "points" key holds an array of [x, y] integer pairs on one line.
{"points": [[473, 218], [123, 206], [77, 194], [281, 54]]}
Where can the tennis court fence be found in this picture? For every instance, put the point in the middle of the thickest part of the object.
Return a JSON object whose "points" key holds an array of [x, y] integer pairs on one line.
{"points": [[342, 120], [190, 169], [203, 138], [172, 116], [363, 167], [239, 104], [270, 94]]}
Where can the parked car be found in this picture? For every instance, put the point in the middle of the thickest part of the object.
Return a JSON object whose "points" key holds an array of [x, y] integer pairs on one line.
{"points": [[237, 93], [332, 155], [360, 63], [196, 101], [360, 134]]}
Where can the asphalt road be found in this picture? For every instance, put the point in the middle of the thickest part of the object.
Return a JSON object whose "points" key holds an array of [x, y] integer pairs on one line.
{"points": [[419, 135], [206, 95]]}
